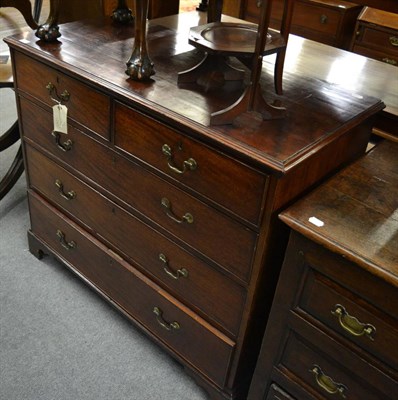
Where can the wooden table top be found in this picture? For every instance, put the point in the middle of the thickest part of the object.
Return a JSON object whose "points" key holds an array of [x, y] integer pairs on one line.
{"points": [[318, 110], [355, 213]]}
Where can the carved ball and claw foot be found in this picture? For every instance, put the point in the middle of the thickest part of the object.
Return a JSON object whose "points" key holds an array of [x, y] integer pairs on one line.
{"points": [[139, 66], [122, 13], [49, 31]]}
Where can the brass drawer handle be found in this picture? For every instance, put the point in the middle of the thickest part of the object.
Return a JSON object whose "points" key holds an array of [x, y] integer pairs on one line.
{"points": [[351, 324], [187, 217], [389, 61], [52, 90], [66, 146], [323, 19], [166, 325], [69, 195], [66, 245], [182, 272], [259, 3], [188, 165], [327, 383], [394, 41]]}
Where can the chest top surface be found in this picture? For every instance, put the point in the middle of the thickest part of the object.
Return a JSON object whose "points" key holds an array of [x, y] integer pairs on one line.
{"points": [[355, 213], [95, 52]]}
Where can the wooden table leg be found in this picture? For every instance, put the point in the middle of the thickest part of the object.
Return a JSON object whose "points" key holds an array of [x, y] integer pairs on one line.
{"points": [[139, 66]]}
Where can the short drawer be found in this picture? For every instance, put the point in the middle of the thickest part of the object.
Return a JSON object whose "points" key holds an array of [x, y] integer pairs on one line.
{"points": [[376, 54], [382, 40], [328, 372], [86, 106], [212, 174], [199, 286], [348, 310], [213, 234], [178, 328], [350, 316], [317, 18]]}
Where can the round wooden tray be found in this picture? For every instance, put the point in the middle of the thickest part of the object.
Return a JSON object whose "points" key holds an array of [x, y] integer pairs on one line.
{"points": [[226, 38]]}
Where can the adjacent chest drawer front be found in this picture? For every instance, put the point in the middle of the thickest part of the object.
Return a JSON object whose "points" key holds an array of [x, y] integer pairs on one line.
{"points": [[352, 316], [383, 40], [276, 393], [215, 176], [379, 55], [321, 19], [86, 106], [326, 376], [213, 234], [179, 329], [198, 285]]}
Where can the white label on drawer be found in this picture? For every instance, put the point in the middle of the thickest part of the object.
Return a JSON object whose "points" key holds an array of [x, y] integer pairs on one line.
{"points": [[60, 114], [316, 221]]}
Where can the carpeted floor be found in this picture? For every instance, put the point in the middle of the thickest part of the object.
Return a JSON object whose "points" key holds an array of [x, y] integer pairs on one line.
{"points": [[58, 339]]}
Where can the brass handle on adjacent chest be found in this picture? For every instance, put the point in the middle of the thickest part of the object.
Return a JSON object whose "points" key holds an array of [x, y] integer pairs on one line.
{"points": [[66, 245], [188, 165], [52, 90], [394, 41], [67, 196], [389, 61], [351, 324], [327, 383], [162, 322], [66, 146], [323, 19], [187, 217], [182, 272]]}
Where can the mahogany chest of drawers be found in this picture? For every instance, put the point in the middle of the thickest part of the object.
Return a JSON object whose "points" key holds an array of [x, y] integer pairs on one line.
{"points": [[171, 220], [376, 35], [333, 328], [326, 21]]}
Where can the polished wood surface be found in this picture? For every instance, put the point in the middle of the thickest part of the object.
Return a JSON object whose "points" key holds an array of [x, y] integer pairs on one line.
{"points": [[333, 323], [145, 186], [358, 208]]}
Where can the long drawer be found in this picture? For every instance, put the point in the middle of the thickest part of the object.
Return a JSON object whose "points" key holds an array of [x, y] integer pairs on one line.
{"points": [[229, 183], [211, 233], [86, 106], [188, 335], [201, 287], [326, 369]]}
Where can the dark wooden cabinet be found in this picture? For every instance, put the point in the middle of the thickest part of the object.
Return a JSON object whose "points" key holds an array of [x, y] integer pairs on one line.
{"points": [[172, 220], [326, 21], [376, 36], [333, 324]]}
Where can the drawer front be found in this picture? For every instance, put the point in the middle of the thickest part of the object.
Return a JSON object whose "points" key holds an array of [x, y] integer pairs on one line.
{"points": [[276, 393], [317, 18], [86, 106], [381, 40], [194, 282], [176, 327], [213, 175], [351, 316], [213, 234], [377, 55], [311, 367]]}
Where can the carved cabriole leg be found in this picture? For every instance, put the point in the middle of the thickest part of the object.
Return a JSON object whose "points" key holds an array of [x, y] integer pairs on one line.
{"points": [[122, 13], [139, 66], [49, 31]]}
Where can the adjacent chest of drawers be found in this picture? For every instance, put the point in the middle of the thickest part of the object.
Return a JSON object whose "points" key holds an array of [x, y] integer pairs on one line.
{"points": [[376, 35], [326, 21], [171, 220], [333, 328]]}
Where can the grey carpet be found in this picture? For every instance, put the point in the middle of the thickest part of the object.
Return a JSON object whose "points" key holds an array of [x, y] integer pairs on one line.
{"points": [[59, 340]]}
